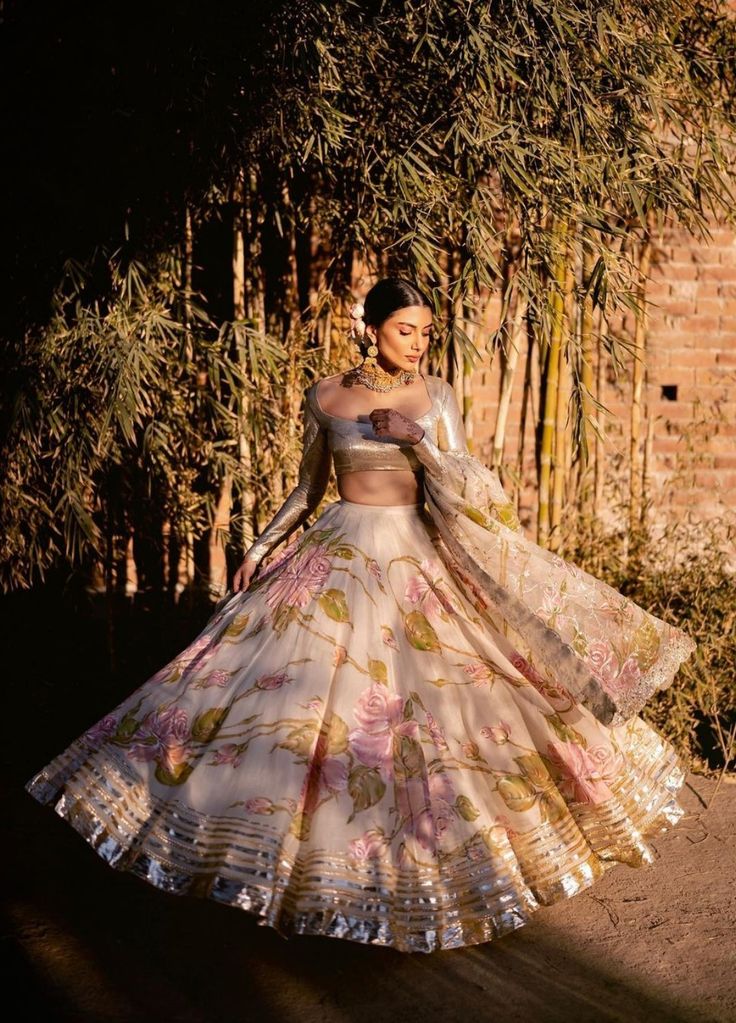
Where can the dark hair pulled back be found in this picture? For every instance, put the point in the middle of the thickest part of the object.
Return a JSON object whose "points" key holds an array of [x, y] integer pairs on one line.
{"points": [[388, 295]]}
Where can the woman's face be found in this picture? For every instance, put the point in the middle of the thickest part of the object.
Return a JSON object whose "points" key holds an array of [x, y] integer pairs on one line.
{"points": [[402, 338]]}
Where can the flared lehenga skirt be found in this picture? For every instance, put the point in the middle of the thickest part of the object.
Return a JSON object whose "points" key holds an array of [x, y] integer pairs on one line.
{"points": [[347, 749]]}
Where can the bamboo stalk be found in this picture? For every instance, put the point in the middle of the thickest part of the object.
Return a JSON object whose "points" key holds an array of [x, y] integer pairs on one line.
{"points": [[586, 377], [507, 381], [561, 444], [527, 399], [559, 230], [239, 312]]}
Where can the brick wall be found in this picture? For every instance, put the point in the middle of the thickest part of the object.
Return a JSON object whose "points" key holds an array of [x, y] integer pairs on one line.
{"points": [[689, 429]]}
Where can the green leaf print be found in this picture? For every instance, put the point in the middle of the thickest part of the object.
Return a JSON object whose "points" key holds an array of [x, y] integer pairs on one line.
{"points": [[645, 644], [347, 553], [366, 788], [580, 643], [476, 515], [127, 726], [175, 777], [420, 633], [564, 731], [237, 625], [337, 736], [378, 671], [507, 515], [408, 756], [206, 726], [552, 807], [283, 616], [300, 740], [534, 769], [408, 710], [517, 792], [334, 604], [467, 810], [300, 824]]}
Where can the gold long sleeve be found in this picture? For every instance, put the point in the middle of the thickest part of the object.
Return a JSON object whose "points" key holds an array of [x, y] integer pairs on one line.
{"points": [[450, 436], [314, 475]]}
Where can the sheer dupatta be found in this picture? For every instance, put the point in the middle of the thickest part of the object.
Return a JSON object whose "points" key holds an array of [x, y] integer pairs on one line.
{"points": [[576, 638]]}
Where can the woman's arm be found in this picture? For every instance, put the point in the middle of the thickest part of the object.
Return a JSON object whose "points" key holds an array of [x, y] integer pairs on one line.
{"points": [[450, 435], [314, 475]]}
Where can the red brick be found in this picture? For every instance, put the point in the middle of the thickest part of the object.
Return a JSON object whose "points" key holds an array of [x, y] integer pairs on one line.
{"points": [[667, 444], [727, 462], [719, 273], [711, 289], [657, 290], [710, 306], [708, 477], [726, 358], [677, 307], [680, 272], [704, 323], [680, 359]]}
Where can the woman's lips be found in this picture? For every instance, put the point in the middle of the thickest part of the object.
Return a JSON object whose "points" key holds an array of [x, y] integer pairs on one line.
{"points": [[413, 358]]}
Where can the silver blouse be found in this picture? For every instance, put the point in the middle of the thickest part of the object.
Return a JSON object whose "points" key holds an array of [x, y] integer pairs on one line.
{"points": [[353, 447]]}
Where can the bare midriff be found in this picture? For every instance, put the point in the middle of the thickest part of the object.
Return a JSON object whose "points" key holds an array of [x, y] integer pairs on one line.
{"points": [[372, 486]]}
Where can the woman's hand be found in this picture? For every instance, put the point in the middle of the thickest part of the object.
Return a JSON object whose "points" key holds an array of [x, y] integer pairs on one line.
{"points": [[387, 422], [243, 576]]}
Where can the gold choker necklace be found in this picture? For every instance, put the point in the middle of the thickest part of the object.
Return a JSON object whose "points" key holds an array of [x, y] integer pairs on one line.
{"points": [[378, 379]]}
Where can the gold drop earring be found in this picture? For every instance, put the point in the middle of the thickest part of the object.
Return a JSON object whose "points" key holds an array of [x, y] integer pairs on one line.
{"points": [[370, 359]]}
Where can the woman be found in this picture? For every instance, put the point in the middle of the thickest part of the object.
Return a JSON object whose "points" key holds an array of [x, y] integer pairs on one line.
{"points": [[413, 726]]}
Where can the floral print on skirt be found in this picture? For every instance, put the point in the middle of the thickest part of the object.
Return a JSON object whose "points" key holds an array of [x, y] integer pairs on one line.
{"points": [[350, 748]]}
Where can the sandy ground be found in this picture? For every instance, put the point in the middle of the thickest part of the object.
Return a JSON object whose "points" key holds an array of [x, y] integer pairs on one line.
{"points": [[83, 942]]}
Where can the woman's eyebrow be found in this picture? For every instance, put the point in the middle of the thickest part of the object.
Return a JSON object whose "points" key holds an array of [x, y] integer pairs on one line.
{"points": [[405, 323]]}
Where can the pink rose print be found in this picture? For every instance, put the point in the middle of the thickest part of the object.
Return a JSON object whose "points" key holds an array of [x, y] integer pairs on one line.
{"points": [[608, 761], [582, 781], [215, 678], [279, 558], [379, 714], [499, 733], [371, 845], [436, 734], [375, 569], [324, 771], [258, 804], [304, 576], [427, 803], [602, 660], [552, 690], [430, 596], [339, 656], [274, 681], [604, 665], [230, 753], [334, 774], [387, 635], [101, 731], [629, 675], [526, 669], [163, 735], [471, 750], [479, 672]]}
